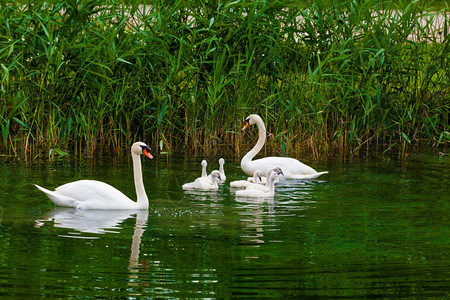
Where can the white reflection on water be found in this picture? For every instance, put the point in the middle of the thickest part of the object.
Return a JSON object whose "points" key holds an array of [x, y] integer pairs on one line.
{"points": [[86, 221], [260, 215], [102, 222]]}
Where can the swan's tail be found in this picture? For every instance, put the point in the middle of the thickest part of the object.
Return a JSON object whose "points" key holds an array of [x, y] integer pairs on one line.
{"points": [[310, 176], [57, 198]]}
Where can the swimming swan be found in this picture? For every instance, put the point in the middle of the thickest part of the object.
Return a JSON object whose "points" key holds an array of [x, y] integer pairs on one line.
{"points": [[245, 183], [221, 170], [253, 193], [204, 164], [204, 183], [291, 167], [223, 178], [92, 194], [265, 187]]}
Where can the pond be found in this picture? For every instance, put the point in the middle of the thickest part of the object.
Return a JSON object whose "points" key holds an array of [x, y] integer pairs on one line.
{"points": [[375, 227]]}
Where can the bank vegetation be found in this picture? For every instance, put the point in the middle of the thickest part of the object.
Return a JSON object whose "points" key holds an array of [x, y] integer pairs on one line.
{"points": [[82, 77]]}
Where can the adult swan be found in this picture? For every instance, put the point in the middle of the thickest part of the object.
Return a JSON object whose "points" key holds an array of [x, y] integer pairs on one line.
{"points": [[292, 168], [92, 194]]}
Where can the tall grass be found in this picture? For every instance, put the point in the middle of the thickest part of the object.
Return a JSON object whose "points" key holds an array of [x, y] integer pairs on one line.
{"points": [[90, 76]]}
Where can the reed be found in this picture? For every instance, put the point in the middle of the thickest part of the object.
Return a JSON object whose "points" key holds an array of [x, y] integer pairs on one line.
{"points": [[91, 76]]}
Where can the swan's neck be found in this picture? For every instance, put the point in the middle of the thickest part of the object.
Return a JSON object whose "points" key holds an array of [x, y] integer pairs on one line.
{"points": [[204, 174], [269, 171], [255, 178], [259, 144], [142, 199]]}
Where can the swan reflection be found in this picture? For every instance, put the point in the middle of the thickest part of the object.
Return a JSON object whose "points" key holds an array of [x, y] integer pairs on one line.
{"points": [[102, 222], [89, 221]]}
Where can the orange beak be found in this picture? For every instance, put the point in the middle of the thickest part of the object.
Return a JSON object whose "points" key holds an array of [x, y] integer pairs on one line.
{"points": [[245, 126], [146, 153]]}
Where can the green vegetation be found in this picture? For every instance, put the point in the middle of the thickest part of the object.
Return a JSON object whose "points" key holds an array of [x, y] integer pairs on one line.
{"points": [[85, 76]]}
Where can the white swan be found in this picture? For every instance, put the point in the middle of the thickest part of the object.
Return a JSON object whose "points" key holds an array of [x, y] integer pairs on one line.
{"points": [[253, 193], [204, 164], [92, 194], [265, 187], [223, 178], [245, 183], [204, 183], [221, 170], [291, 167]]}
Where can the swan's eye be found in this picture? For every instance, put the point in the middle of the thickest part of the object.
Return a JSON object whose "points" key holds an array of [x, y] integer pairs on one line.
{"points": [[145, 147]]}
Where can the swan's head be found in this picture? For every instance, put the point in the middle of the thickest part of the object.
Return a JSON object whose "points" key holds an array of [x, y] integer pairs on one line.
{"points": [[258, 174], [141, 148], [273, 176], [250, 120], [216, 174], [221, 161], [204, 163], [278, 171]]}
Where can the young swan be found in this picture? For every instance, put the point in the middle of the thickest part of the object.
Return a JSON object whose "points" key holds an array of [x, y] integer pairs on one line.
{"points": [[221, 171], [258, 193], [266, 186], [204, 183], [204, 164], [240, 184]]}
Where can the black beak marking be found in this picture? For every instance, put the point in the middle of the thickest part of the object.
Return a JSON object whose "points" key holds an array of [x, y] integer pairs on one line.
{"points": [[145, 147]]}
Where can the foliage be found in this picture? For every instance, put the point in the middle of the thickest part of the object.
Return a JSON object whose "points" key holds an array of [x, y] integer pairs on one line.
{"points": [[92, 75]]}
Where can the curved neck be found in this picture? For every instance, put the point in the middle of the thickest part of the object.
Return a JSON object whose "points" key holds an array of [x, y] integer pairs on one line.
{"points": [[204, 174], [255, 178], [142, 199], [269, 171], [259, 144], [214, 180]]}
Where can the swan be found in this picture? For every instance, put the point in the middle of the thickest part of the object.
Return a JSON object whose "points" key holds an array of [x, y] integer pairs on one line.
{"points": [[263, 181], [221, 170], [253, 193], [265, 187], [223, 178], [204, 164], [204, 183], [292, 168], [245, 183], [92, 194]]}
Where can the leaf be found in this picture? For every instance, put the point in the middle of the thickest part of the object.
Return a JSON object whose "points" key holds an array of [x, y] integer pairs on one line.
{"points": [[20, 122], [124, 61], [405, 136]]}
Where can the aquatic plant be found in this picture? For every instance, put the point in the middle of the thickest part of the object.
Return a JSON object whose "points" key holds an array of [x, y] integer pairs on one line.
{"points": [[86, 76]]}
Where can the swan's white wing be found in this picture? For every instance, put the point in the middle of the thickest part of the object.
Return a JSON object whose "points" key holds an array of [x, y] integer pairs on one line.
{"points": [[85, 190], [240, 183], [201, 183], [290, 166], [58, 199], [252, 194], [256, 186], [89, 194]]}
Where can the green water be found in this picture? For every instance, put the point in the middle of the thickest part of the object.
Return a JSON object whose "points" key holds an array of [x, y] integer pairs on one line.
{"points": [[370, 228]]}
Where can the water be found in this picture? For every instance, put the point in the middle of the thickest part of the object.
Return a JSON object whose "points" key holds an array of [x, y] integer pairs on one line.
{"points": [[370, 228]]}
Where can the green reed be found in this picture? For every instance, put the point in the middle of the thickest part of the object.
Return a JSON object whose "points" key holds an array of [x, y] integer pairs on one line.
{"points": [[89, 76]]}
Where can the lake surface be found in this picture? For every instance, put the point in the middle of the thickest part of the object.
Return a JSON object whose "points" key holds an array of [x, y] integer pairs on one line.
{"points": [[376, 227]]}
